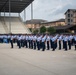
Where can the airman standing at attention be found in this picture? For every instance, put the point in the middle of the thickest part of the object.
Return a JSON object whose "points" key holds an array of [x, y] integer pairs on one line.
{"points": [[43, 40], [11, 41], [48, 42], [38, 41], [60, 39], [34, 41], [70, 37], [54, 42], [65, 42], [75, 41]]}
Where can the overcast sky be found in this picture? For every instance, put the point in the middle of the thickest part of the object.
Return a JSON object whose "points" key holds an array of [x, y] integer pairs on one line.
{"points": [[50, 9]]}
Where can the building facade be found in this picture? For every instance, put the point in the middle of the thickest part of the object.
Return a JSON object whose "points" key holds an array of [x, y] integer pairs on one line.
{"points": [[70, 17], [36, 24], [60, 22]]}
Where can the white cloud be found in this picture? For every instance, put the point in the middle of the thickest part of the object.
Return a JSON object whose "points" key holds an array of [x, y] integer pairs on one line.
{"points": [[50, 9]]}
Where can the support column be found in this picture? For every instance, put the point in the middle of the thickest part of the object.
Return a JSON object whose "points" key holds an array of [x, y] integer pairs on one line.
{"points": [[31, 10], [9, 16], [19, 15], [31, 13], [4, 15], [24, 15], [0, 14]]}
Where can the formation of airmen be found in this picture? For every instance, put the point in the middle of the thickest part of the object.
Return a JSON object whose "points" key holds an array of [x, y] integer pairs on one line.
{"points": [[42, 42]]}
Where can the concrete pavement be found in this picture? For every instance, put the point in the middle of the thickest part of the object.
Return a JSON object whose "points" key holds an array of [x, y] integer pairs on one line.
{"points": [[33, 62]]}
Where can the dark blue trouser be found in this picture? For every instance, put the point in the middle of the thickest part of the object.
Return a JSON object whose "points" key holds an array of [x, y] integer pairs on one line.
{"points": [[19, 43], [38, 45], [48, 47], [26, 43], [43, 46], [51, 43], [53, 46], [65, 45], [29, 43], [75, 44], [34, 44], [69, 44], [59, 45], [11, 41]]}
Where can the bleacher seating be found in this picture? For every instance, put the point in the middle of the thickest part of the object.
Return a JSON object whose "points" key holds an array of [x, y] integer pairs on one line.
{"points": [[17, 26], [2, 30]]}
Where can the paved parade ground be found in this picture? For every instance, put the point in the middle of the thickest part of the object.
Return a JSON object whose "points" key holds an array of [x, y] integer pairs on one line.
{"points": [[33, 62]]}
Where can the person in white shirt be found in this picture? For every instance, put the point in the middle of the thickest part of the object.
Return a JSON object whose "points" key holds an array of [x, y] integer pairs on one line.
{"points": [[38, 41], [75, 41], [48, 42], [43, 42], [29, 40], [65, 42], [54, 42], [14, 40], [8, 37], [70, 37], [60, 39], [1, 38], [11, 40], [34, 41], [26, 40], [19, 41], [51, 44]]}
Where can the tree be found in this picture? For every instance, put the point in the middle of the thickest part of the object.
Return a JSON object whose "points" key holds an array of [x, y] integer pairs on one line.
{"points": [[30, 29], [60, 24], [35, 31], [51, 30], [42, 29]]}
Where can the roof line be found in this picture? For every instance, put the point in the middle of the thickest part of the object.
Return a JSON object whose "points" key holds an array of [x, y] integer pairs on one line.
{"points": [[4, 5]]}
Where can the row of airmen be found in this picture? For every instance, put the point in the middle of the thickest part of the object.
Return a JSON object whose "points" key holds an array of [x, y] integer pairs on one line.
{"points": [[42, 41]]}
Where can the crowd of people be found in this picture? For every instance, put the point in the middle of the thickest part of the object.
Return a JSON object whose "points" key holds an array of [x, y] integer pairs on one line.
{"points": [[41, 41]]}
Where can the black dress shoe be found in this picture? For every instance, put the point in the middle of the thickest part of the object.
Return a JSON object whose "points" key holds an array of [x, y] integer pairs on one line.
{"points": [[53, 50]]}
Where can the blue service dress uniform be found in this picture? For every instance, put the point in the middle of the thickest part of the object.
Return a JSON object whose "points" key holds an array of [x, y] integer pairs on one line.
{"points": [[48, 42]]}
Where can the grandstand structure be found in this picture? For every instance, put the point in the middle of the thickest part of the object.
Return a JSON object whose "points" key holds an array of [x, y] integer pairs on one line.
{"points": [[14, 25]]}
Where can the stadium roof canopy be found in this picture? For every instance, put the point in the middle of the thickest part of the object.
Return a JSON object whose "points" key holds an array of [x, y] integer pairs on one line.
{"points": [[16, 6]]}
